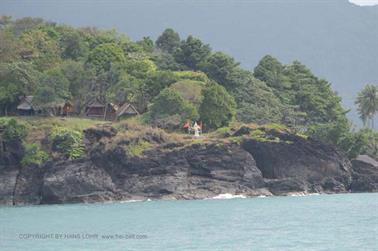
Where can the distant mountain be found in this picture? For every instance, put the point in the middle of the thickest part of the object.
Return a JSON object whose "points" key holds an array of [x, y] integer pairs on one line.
{"points": [[336, 39]]}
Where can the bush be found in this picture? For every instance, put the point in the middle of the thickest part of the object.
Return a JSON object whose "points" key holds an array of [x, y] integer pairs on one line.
{"points": [[34, 155], [137, 148], [67, 142], [13, 130]]}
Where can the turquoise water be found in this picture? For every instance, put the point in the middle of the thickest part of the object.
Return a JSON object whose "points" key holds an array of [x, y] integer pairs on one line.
{"points": [[323, 222]]}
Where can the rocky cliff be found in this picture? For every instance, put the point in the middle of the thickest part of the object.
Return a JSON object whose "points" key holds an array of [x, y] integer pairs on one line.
{"points": [[280, 164]]}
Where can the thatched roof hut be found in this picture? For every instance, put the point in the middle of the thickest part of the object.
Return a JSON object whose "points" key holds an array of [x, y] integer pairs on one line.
{"points": [[126, 110], [26, 106], [95, 108]]}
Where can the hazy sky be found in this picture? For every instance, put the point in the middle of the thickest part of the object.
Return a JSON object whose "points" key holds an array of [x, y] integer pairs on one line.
{"points": [[364, 2]]}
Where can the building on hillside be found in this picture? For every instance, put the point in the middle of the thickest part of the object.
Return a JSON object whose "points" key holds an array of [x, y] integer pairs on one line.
{"points": [[109, 111], [126, 110], [26, 106], [95, 109]]}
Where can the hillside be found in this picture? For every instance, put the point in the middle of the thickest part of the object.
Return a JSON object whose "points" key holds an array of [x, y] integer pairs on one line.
{"points": [[336, 39], [50, 69]]}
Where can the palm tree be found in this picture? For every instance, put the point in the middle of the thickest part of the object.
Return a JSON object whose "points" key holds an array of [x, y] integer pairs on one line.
{"points": [[367, 102]]}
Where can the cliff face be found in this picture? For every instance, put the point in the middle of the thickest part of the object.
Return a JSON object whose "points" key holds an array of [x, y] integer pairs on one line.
{"points": [[365, 174], [181, 171], [299, 164]]}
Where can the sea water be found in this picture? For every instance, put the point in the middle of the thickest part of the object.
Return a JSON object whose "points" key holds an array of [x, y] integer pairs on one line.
{"points": [[323, 222]]}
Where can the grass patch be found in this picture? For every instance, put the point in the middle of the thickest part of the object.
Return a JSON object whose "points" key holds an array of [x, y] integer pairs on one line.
{"points": [[138, 148]]}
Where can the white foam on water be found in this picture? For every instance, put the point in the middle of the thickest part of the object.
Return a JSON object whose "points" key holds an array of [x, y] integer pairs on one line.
{"points": [[129, 201], [227, 196], [298, 194]]}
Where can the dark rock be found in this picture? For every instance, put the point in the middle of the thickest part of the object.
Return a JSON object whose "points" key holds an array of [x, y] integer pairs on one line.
{"points": [[198, 171], [286, 186], [310, 161], [11, 153], [8, 177], [365, 174], [95, 134], [244, 130], [77, 181], [29, 185], [177, 171]]}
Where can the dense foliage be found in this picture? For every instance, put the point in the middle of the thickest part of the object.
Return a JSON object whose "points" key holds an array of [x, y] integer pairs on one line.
{"points": [[67, 142], [170, 81], [218, 107], [170, 108], [12, 130], [34, 155]]}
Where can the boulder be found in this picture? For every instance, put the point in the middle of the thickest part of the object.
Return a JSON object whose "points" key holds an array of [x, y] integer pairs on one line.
{"points": [[365, 174]]}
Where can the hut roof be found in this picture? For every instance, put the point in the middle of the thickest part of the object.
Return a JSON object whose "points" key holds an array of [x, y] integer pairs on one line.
{"points": [[127, 109], [26, 103], [96, 103]]}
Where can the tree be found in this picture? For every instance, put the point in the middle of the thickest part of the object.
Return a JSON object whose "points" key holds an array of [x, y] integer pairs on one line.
{"points": [[78, 77], [218, 107], [147, 44], [256, 102], [104, 55], [45, 50], [170, 104], [16, 79], [168, 41], [270, 70], [367, 101], [73, 45], [295, 85], [192, 53], [9, 48], [221, 67], [53, 87]]}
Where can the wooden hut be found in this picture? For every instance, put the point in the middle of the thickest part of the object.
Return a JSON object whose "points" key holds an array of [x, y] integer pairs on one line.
{"points": [[95, 109], [126, 110], [26, 106]]}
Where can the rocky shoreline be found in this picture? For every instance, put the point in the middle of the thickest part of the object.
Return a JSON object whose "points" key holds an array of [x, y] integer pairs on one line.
{"points": [[169, 171]]}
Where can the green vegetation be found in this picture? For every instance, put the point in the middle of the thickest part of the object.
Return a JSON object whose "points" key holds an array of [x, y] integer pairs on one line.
{"points": [[218, 107], [137, 148], [34, 155], [169, 107], [169, 81], [367, 102], [67, 142], [13, 130]]}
